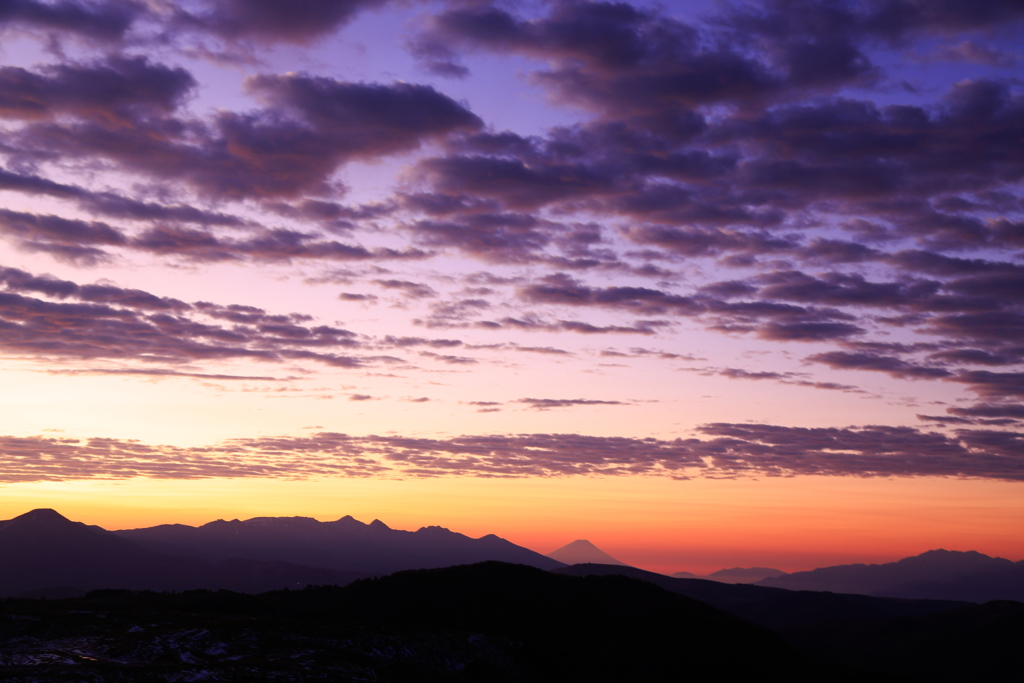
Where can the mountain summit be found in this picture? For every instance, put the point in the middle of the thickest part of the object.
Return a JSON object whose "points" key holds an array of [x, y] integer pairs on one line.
{"points": [[583, 551]]}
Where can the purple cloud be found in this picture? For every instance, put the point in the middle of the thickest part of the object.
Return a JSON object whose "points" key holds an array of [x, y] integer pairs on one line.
{"points": [[729, 450]]}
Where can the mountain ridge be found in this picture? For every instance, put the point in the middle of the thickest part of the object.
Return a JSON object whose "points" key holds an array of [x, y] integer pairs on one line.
{"points": [[47, 554], [734, 574], [946, 574], [342, 545]]}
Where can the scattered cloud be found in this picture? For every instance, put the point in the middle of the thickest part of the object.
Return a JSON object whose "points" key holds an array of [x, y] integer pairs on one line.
{"points": [[727, 450]]}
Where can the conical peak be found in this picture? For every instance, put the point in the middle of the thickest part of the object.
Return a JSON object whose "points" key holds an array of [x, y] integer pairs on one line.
{"points": [[582, 551], [42, 515]]}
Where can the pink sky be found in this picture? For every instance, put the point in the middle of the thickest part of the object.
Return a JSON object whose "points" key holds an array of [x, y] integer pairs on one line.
{"points": [[708, 285]]}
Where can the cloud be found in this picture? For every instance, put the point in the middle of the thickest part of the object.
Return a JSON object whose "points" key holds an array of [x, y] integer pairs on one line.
{"points": [[108, 322], [414, 290], [505, 237], [291, 21], [165, 372], [115, 205], [309, 126], [972, 52], [36, 230], [993, 384], [610, 56], [117, 89], [548, 403], [793, 378], [757, 173], [786, 322], [83, 241], [562, 289], [515, 183], [546, 350], [991, 410], [896, 367], [708, 242], [103, 22], [401, 342], [728, 450]]}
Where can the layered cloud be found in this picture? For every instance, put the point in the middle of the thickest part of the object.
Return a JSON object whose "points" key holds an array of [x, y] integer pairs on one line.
{"points": [[835, 186], [728, 450]]}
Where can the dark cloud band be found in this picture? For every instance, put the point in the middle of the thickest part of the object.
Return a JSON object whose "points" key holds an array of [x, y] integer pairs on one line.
{"points": [[728, 450]]}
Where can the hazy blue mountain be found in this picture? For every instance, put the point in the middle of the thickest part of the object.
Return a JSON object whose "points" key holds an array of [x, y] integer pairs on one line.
{"points": [[734, 575], [582, 551], [744, 574], [936, 574], [343, 545]]}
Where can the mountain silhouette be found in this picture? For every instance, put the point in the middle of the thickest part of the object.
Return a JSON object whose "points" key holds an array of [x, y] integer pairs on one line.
{"points": [[42, 548], [936, 574], [44, 554], [734, 575], [581, 552], [343, 545]]}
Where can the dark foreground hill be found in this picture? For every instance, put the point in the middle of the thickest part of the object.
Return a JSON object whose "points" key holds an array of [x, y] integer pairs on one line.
{"points": [[776, 608], [976, 643], [938, 574], [913, 640], [490, 622], [343, 545]]}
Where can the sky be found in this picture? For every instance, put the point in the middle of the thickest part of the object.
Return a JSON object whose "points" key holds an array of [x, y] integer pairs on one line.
{"points": [[710, 284]]}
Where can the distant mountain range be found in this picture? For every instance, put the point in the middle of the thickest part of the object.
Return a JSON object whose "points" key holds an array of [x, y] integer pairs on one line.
{"points": [[735, 575], [44, 554], [502, 622], [583, 552], [344, 545], [936, 574]]}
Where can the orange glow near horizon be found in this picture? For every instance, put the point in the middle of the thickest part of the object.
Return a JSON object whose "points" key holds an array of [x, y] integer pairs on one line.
{"points": [[661, 525]]}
